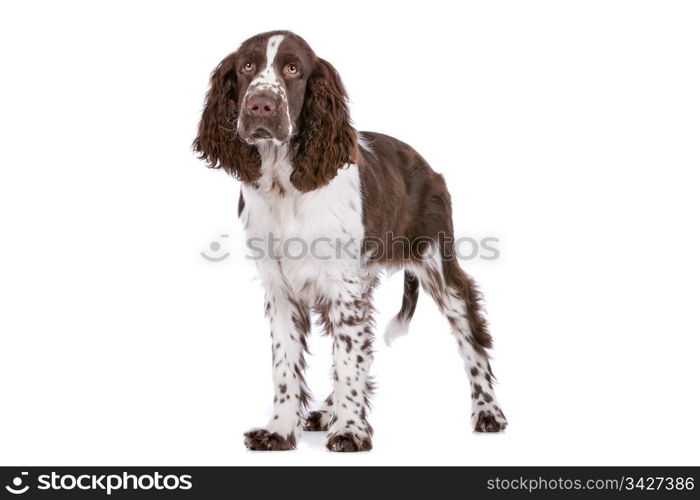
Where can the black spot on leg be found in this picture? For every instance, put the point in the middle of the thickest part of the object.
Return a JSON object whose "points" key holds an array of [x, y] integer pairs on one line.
{"points": [[283, 388], [474, 371], [348, 342]]}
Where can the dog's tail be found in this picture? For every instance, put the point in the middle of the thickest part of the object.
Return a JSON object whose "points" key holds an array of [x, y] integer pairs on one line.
{"points": [[398, 326]]}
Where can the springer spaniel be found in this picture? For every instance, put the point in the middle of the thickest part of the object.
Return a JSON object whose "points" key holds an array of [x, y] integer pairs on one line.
{"points": [[276, 117]]}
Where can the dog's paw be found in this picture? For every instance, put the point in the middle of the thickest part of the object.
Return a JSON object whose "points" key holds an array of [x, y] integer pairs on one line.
{"points": [[263, 440], [348, 442], [316, 421], [490, 420]]}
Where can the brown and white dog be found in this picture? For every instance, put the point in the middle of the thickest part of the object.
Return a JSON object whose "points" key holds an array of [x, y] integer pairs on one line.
{"points": [[276, 118]]}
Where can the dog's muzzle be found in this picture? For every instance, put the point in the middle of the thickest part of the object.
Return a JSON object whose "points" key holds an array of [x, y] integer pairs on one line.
{"points": [[264, 118]]}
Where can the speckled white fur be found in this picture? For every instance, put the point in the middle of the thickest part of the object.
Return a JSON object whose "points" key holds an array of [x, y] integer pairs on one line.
{"points": [[277, 213]]}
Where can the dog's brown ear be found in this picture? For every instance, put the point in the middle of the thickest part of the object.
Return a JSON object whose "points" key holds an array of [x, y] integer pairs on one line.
{"points": [[326, 140], [217, 141]]}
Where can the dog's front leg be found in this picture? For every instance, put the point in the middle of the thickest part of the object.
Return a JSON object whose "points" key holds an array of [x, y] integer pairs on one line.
{"points": [[347, 314], [289, 325]]}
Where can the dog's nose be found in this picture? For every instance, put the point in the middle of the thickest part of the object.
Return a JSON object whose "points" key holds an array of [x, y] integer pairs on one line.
{"points": [[261, 105]]}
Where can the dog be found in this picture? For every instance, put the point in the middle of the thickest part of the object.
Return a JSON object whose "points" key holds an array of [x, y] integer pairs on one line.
{"points": [[276, 118]]}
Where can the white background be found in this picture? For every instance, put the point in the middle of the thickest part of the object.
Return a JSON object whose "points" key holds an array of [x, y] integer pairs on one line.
{"points": [[568, 130]]}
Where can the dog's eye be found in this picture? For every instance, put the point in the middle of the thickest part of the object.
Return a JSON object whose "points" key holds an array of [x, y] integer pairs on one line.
{"points": [[248, 68], [292, 69]]}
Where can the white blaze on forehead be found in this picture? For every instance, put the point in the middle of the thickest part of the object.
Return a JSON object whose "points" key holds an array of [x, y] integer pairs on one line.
{"points": [[268, 76], [273, 45]]}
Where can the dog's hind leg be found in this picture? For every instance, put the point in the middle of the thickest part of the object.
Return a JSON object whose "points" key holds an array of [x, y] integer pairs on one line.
{"points": [[460, 301]]}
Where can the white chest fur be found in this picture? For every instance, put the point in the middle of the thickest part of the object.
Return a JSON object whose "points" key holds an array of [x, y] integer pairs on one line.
{"points": [[307, 237]]}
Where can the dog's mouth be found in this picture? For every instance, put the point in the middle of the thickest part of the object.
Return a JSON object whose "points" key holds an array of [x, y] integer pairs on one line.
{"points": [[261, 133]]}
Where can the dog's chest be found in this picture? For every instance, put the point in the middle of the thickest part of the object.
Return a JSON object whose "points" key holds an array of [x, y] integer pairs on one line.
{"points": [[295, 225]]}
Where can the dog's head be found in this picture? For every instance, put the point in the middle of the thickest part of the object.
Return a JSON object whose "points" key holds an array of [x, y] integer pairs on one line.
{"points": [[274, 91]]}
